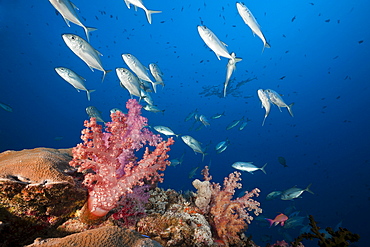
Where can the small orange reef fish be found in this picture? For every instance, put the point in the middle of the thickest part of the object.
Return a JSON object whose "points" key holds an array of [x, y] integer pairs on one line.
{"points": [[281, 218]]}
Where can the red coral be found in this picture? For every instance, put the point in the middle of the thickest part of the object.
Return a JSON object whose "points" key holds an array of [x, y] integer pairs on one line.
{"points": [[132, 206], [109, 158], [230, 217]]}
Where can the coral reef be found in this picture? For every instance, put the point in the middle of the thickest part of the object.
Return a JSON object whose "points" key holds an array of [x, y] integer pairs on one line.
{"points": [[228, 217], [179, 224], [342, 237], [36, 193], [109, 162], [108, 236]]}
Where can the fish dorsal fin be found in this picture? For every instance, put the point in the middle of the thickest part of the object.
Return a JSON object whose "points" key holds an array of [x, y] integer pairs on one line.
{"points": [[73, 5], [223, 43], [82, 78], [98, 52]]}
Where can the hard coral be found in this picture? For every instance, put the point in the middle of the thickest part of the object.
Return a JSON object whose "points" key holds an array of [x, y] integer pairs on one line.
{"points": [[36, 166], [109, 236], [342, 237], [179, 223], [36, 193]]}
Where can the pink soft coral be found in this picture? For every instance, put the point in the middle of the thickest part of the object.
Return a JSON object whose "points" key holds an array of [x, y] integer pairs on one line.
{"points": [[109, 158], [230, 217]]}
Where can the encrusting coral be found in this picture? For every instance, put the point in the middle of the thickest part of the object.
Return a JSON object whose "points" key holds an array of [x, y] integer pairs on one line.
{"points": [[108, 236], [179, 223], [36, 193]]}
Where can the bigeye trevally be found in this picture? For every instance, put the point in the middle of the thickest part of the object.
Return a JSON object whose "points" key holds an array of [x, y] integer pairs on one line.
{"points": [[249, 19], [139, 3], [85, 51], [68, 11], [74, 79], [129, 81], [230, 68], [263, 96], [211, 40], [138, 68]]}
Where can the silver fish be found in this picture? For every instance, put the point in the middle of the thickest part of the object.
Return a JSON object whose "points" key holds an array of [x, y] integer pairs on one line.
{"points": [[139, 4], [6, 107], [230, 68], [156, 73], [147, 98], [114, 110], [222, 146], [85, 51], [191, 115], [165, 130], [249, 19], [243, 124], [176, 162], [294, 221], [74, 79], [92, 111], [129, 81], [152, 108], [193, 144], [68, 11], [213, 42], [203, 119], [294, 192], [263, 96], [138, 68], [193, 172], [234, 123], [248, 167], [273, 195], [278, 101], [218, 115]]}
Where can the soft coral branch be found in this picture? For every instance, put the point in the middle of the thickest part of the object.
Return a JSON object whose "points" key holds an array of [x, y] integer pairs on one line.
{"points": [[230, 217], [109, 158]]}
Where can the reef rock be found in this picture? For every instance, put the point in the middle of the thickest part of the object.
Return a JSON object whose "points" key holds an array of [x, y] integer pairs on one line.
{"points": [[108, 236], [37, 193]]}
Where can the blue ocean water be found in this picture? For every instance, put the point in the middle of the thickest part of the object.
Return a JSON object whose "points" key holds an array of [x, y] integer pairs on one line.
{"points": [[319, 59]]}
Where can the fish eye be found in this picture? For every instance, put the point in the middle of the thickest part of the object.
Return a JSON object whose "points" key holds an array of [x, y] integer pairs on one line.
{"points": [[73, 37]]}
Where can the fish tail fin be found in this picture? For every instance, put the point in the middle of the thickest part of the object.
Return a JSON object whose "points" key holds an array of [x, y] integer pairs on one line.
{"points": [[263, 168], [264, 119], [154, 84], [270, 221], [204, 154], [238, 59], [225, 86], [105, 72], [266, 45], [88, 93], [87, 32], [290, 109], [308, 189], [149, 14]]}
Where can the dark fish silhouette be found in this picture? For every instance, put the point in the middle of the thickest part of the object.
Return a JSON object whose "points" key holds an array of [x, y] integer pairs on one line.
{"points": [[282, 161]]}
